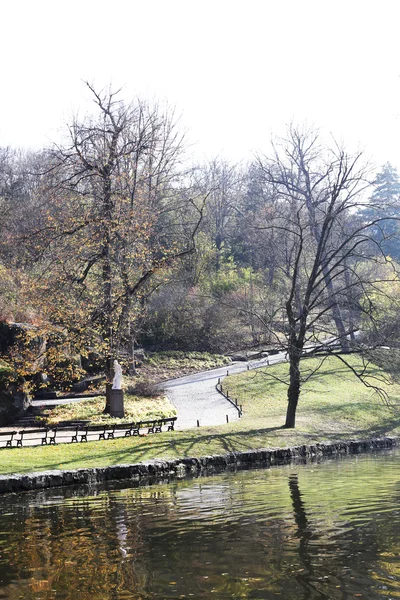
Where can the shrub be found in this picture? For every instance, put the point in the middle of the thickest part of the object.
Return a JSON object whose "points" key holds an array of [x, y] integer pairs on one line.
{"points": [[143, 388]]}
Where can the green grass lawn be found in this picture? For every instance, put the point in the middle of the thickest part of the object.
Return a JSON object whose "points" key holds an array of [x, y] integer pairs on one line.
{"points": [[333, 406], [136, 409]]}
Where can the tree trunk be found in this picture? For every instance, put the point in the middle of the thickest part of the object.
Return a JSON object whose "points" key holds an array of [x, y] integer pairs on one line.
{"points": [[293, 391], [316, 229], [350, 303], [107, 290], [107, 408], [132, 368], [336, 314]]}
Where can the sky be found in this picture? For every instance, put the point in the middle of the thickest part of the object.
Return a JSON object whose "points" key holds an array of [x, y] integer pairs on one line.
{"points": [[237, 71]]}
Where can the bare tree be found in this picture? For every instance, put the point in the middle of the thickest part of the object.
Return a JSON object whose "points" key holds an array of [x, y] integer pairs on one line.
{"points": [[223, 182], [316, 194]]}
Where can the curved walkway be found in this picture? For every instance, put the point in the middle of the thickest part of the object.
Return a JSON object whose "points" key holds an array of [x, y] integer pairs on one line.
{"points": [[196, 399]]}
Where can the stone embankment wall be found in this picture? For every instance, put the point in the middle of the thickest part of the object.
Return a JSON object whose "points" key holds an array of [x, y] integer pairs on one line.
{"points": [[164, 470]]}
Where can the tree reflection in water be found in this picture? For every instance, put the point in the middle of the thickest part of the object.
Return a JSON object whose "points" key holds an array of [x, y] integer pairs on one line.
{"points": [[330, 530]]}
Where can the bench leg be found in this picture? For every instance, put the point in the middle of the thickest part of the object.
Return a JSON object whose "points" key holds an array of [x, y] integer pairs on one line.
{"points": [[84, 438], [19, 443], [8, 444]]}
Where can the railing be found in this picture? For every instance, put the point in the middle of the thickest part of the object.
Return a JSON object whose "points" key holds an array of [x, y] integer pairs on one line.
{"points": [[225, 393]]}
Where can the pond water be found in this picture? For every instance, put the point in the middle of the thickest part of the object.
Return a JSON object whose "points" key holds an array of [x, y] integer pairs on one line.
{"points": [[322, 530]]}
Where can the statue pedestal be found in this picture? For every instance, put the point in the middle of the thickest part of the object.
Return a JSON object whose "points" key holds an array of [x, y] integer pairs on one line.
{"points": [[117, 403]]}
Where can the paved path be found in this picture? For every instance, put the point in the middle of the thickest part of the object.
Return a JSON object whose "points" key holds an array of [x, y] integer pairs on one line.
{"points": [[196, 398]]}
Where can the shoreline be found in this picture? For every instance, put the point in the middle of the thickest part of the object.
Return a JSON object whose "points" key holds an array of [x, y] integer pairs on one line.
{"points": [[151, 472]]}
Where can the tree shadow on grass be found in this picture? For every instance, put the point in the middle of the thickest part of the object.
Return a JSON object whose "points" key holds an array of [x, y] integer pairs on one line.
{"points": [[384, 429], [163, 448], [330, 411]]}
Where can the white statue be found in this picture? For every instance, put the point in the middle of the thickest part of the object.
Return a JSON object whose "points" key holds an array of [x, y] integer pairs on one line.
{"points": [[117, 381]]}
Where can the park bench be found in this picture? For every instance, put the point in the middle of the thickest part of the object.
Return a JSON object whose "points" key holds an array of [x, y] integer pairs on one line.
{"points": [[7, 436], [151, 426], [105, 432], [133, 429], [110, 430], [80, 432], [56, 433], [129, 429], [170, 423], [32, 434], [156, 425]]}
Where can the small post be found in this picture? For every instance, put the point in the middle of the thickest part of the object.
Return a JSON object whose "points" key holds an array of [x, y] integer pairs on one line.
{"points": [[219, 380], [236, 401], [227, 419], [227, 393], [267, 362], [241, 407], [198, 423], [248, 367], [227, 373]]}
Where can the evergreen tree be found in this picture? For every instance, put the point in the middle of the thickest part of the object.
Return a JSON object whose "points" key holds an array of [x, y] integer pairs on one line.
{"points": [[385, 203]]}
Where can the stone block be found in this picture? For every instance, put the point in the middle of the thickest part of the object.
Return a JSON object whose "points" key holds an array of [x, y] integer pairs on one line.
{"points": [[117, 403]]}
